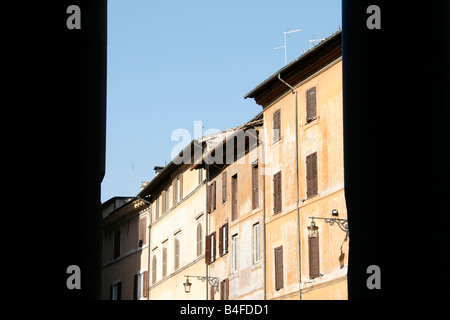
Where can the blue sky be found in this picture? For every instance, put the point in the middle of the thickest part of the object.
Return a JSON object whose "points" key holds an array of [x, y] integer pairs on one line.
{"points": [[171, 63]]}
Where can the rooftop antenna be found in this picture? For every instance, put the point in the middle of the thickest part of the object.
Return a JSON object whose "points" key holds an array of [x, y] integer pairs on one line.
{"points": [[285, 45], [312, 42]]}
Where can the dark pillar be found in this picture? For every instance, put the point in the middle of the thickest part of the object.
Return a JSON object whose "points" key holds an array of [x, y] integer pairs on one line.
{"points": [[58, 126], [396, 147]]}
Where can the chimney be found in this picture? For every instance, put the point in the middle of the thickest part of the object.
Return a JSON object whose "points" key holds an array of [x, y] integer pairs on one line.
{"points": [[144, 184], [157, 169]]}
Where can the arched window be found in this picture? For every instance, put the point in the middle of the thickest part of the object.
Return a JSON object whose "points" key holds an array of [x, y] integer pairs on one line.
{"points": [[177, 254], [164, 262], [199, 239], [154, 269]]}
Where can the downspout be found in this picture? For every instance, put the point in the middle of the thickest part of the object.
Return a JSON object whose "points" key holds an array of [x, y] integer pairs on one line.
{"points": [[264, 216], [206, 225], [297, 186]]}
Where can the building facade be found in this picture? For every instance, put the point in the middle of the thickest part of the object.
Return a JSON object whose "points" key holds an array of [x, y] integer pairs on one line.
{"points": [[306, 258], [125, 249]]}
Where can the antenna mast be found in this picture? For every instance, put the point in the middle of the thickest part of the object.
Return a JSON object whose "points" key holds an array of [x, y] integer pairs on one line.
{"points": [[285, 44]]}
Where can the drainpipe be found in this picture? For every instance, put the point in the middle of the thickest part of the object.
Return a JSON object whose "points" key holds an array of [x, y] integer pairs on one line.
{"points": [[264, 216], [297, 193], [206, 225]]}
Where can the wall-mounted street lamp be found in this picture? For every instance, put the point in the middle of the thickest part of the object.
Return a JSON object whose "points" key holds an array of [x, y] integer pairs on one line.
{"points": [[342, 223], [213, 281]]}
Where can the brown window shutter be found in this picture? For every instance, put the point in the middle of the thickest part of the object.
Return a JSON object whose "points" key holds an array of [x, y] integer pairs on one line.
{"points": [[311, 107], [145, 284], [208, 198], [142, 227], [313, 243], [225, 229], [277, 193], [208, 249], [213, 197], [255, 187], [279, 268], [213, 247], [136, 287], [154, 269], [177, 254], [234, 197], [224, 187], [222, 290], [212, 291], [276, 126], [220, 241], [311, 175], [227, 289]]}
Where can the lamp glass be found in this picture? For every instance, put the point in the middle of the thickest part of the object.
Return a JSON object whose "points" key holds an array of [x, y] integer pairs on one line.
{"points": [[187, 286]]}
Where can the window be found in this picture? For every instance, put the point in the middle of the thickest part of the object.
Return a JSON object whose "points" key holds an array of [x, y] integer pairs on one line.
{"points": [[235, 253], [199, 239], [154, 269], [224, 187], [277, 193], [223, 239], [211, 197], [210, 250], [311, 175], [140, 285], [200, 176], [116, 291], [256, 253], [142, 233], [279, 268], [158, 200], [255, 186], [176, 254], [177, 187], [313, 244], [116, 243], [164, 266], [276, 126], [224, 289], [311, 109], [167, 199], [234, 198]]}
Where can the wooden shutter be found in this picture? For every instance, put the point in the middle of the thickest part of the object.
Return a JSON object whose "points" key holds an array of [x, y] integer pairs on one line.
{"points": [[145, 284], [255, 187], [208, 249], [208, 198], [311, 175], [227, 289], [142, 227], [313, 243], [220, 241], [224, 187], [277, 193], [234, 197], [311, 108], [212, 291], [213, 196], [279, 268], [174, 191], [276, 126], [213, 247], [225, 230], [154, 269]]}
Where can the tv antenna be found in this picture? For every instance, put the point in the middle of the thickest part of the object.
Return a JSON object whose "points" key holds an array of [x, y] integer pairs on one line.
{"points": [[285, 44], [312, 42]]}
